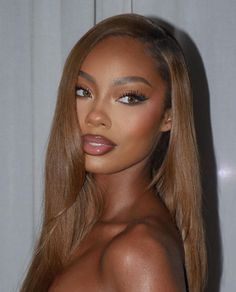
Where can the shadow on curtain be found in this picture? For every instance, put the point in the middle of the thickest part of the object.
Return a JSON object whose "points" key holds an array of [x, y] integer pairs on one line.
{"points": [[201, 103]]}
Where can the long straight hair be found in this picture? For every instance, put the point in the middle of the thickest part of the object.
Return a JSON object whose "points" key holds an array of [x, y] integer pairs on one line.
{"points": [[72, 202]]}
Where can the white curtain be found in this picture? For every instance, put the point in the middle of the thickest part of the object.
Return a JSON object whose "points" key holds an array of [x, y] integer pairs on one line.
{"points": [[35, 38]]}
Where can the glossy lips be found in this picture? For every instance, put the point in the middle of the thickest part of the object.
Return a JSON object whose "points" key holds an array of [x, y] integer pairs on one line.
{"points": [[97, 145]]}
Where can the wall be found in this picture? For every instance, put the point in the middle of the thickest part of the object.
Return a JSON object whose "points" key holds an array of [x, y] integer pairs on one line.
{"points": [[35, 38]]}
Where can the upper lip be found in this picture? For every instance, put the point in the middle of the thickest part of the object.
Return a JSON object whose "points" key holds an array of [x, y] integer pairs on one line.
{"points": [[97, 139]]}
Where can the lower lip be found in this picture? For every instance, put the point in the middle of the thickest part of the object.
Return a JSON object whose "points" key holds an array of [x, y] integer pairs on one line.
{"points": [[97, 148]]}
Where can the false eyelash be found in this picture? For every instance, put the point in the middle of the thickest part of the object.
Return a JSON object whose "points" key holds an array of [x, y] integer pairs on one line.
{"points": [[136, 94], [83, 88]]}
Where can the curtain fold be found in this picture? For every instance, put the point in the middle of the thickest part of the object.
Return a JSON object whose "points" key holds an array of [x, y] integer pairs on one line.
{"points": [[35, 38]]}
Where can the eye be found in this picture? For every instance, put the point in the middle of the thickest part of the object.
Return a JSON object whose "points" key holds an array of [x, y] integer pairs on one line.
{"points": [[82, 92], [132, 97]]}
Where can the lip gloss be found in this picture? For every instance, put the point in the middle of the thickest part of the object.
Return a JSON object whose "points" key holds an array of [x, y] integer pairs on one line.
{"points": [[97, 145]]}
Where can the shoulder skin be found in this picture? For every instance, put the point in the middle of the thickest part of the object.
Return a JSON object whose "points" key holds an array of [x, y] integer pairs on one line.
{"points": [[143, 258]]}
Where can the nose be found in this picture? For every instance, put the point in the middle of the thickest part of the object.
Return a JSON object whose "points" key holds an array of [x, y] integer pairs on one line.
{"points": [[97, 117]]}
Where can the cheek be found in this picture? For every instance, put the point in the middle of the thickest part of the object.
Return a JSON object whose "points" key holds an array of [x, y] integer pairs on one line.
{"points": [[137, 134], [143, 126], [134, 129], [81, 114]]}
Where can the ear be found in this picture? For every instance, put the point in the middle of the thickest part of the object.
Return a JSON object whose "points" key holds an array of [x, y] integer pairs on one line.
{"points": [[166, 122]]}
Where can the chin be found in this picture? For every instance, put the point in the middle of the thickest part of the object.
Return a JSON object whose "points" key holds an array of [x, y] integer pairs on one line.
{"points": [[96, 165], [100, 169]]}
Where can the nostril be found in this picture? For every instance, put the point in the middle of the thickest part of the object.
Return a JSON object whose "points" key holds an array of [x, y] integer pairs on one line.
{"points": [[97, 119]]}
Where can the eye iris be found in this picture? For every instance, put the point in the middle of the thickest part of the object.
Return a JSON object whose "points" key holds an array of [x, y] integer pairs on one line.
{"points": [[131, 99], [82, 92], [85, 91]]}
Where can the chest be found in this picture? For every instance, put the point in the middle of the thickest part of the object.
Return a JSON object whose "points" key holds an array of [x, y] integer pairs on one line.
{"points": [[81, 275], [84, 273]]}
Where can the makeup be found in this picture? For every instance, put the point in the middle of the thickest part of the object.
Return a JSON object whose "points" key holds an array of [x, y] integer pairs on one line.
{"points": [[96, 144], [125, 103]]}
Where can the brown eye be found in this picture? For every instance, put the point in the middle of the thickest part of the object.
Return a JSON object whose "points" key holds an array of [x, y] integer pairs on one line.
{"points": [[82, 92], [132, 98], [128, 99]]}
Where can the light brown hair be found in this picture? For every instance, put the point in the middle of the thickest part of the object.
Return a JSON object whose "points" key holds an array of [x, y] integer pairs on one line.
{"points": [[72, 201]]}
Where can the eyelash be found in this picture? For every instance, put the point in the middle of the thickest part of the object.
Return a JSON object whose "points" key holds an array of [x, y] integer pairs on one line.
{"points": [[77, 88], [138, 96]]}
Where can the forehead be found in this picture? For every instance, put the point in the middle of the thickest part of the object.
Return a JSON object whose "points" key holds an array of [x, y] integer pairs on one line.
{"points": [[120, 54]]}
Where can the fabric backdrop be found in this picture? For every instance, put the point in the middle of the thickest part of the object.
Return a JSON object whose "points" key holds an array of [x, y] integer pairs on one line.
{"points": [[35, 37]]}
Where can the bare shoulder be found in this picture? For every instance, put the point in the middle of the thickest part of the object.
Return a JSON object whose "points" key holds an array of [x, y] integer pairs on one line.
{"points": [[143, 258]]}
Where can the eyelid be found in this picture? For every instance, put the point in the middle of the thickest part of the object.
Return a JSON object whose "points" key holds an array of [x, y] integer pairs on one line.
{"points": [[137, 95], [85, 88], [82, 87]]}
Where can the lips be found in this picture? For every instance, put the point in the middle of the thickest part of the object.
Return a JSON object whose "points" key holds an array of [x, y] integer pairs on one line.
{"points": [[97, 145]]}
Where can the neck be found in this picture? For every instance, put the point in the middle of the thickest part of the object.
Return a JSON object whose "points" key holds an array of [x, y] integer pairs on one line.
{"points": [[122, 190]]}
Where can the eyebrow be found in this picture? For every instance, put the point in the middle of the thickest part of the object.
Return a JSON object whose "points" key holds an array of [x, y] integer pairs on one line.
{"points": [[86, 76], [118, 81]]}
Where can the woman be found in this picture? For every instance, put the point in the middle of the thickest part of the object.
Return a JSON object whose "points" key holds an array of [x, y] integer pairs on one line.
{"points": [[122, 191]]}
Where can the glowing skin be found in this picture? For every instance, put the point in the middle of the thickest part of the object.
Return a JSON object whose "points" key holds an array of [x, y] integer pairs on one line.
{"points": [[134, 247], [104, 110]]}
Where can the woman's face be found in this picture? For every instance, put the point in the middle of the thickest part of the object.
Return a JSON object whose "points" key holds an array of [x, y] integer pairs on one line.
{"points": [[120, 97]]}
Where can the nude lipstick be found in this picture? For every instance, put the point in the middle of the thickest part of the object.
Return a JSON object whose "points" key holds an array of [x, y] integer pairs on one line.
{"points": [[96, 144]]}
